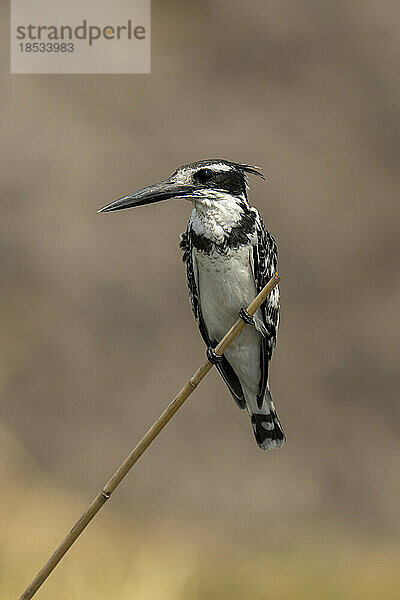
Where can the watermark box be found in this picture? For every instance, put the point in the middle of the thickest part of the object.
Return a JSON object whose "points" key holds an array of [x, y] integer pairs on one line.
{"points": [[80, 36]]}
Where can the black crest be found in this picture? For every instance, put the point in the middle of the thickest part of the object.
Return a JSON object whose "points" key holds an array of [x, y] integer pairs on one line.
{"points": [[206, 174]]}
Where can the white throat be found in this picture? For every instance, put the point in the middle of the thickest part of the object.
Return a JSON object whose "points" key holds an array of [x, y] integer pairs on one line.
{"points": [[215, 214]]}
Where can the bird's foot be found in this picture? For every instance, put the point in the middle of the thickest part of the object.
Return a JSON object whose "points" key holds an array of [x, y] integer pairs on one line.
{"points": [[215, 359], [244, 315]]}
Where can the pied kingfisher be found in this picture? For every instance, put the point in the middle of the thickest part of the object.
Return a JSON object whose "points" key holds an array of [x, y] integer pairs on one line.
{"points": [[229, 257]]}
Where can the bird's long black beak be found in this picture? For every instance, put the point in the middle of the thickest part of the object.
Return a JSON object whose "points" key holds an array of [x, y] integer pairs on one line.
{"points": [[153, 193]]}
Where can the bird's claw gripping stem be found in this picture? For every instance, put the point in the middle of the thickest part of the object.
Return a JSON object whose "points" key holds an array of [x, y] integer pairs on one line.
{"points": [[215, 359], [244, 315]]}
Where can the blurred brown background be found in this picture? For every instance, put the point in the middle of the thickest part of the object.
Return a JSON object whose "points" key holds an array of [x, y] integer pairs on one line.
{"points": [[97, 333]]}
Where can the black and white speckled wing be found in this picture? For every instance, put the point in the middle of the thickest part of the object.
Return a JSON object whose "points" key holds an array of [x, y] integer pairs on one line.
{"points": [[187, 257], [264, 264], [225, 369]]}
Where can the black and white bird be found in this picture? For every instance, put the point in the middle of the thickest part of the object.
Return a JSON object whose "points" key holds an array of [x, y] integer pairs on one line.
{"points": [[229, 256]]}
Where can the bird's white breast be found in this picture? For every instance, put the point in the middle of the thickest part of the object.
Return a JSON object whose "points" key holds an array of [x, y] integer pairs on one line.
{"points": [[226, 284]]}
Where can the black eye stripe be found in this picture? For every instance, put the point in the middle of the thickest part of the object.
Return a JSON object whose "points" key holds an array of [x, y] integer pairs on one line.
{"points": [[231, 181], [204, 175]]}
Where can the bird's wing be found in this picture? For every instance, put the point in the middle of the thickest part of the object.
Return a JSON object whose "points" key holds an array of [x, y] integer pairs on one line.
{"points": [[225, 369], [264, 259]]}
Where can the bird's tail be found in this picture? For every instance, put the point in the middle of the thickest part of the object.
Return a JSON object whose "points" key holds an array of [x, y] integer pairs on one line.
{"points": [[267, 428]]}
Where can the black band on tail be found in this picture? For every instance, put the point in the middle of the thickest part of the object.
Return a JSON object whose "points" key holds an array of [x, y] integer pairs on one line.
{"points": [[267, 430]]}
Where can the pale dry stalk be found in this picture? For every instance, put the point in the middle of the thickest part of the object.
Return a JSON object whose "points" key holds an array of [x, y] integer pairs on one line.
{"points": [[142, 445]]}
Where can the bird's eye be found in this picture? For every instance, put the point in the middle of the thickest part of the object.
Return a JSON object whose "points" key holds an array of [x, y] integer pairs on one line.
{"points": [[203, 175]]}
